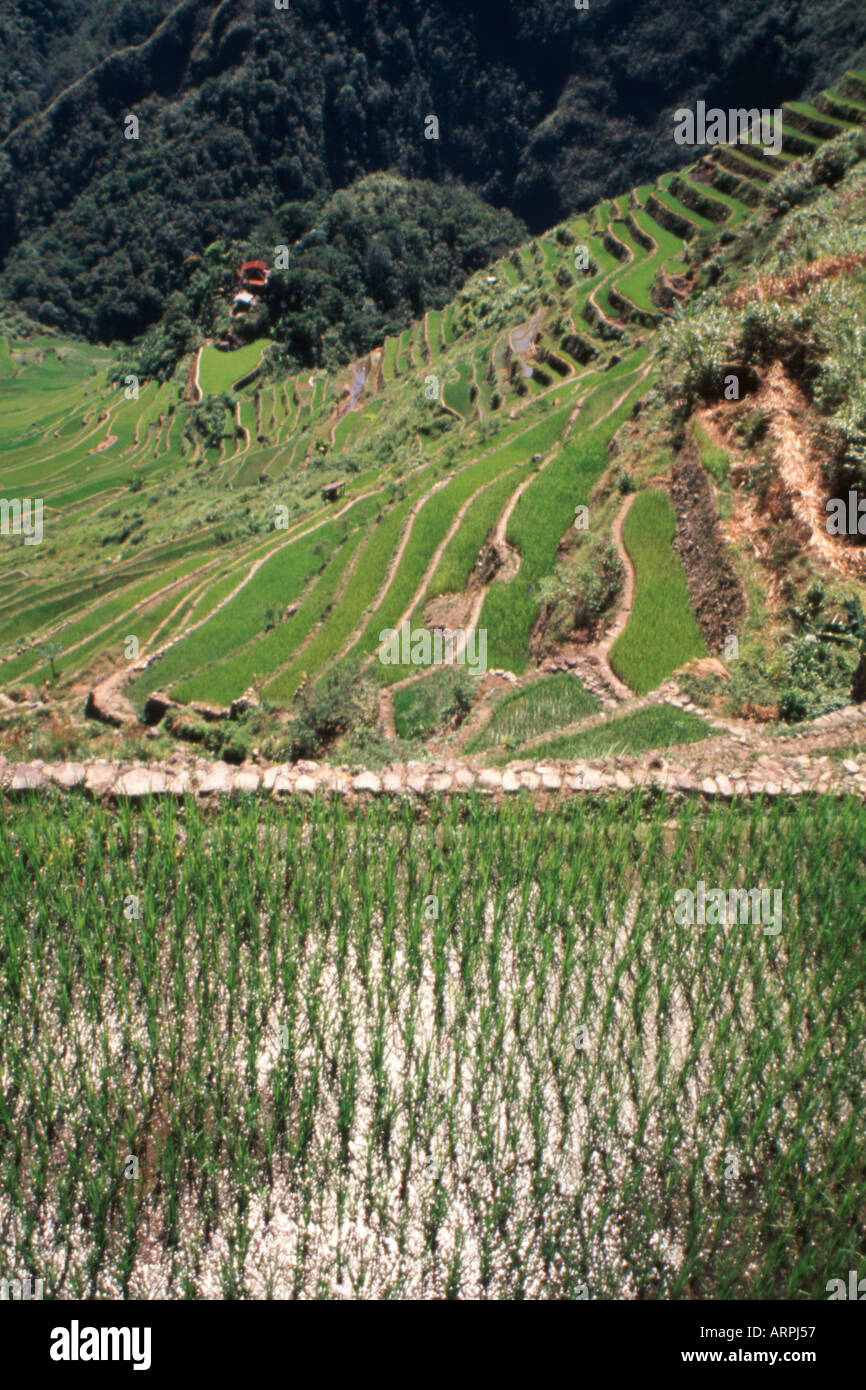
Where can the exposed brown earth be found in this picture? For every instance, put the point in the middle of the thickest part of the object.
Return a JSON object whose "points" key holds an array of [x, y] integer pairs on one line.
{"points": [[601, 649], [787, 411], [714, 589], [787, 516], [796, 282]]}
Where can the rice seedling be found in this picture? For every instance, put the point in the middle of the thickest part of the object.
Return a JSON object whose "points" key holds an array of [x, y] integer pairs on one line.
{"points": [[546, 704], [299, 1051], [662, 632], [656, 726]]}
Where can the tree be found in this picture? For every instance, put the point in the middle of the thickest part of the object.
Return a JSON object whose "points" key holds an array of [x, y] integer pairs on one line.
{"points": [[851, 632], [50, 650]]}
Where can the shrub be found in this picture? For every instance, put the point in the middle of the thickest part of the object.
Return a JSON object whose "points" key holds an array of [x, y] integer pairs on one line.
{"points": [[764, 331], [839, 387], [806, 678], [342, 701], [439, 701], [751, 428], [579, 594], [818, 678], [833, 160], [792, 186], [365, 748], [698, 345]]}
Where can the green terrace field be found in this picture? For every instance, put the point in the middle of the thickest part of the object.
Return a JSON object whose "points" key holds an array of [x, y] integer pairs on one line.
{"points": [[202, 530], [218, 371], [662, 632], [481, 1053], [548, 703], [656, 726]]}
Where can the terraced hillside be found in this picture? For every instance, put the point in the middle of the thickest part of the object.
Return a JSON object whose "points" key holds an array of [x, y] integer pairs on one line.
{"points": [[192, 547], [333, 966]]}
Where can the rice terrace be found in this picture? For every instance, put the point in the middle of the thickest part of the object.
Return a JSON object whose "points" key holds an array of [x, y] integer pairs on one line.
{"points": [[432, 693]]}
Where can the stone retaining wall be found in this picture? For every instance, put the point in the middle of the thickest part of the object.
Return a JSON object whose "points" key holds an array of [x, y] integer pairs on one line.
{"points": [[766, 774]]}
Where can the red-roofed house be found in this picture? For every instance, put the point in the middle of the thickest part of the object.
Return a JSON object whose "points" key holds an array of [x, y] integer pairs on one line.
{"points": [[254, 275], [252, 279]]}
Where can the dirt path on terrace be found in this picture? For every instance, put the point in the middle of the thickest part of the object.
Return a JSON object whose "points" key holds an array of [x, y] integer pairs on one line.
{"points": [[392, 568], [599, 651], [509, 570], [190, 599], [432, 566], [240, 428], [193, 385], [386, 694], [601, 648], [386, 710]]}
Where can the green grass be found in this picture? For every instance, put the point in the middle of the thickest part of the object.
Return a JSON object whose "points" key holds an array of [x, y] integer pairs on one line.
{"points": [[339, 626], [749, 168], [695, 219], [422, 708], [434, 320], [662, 632], [401, 364], [454, 569], [346, 428], [455, 394], [805, 108], [716, 459], [218, 371], [657, 726], [388, 365], [736, 211], [520, 715], [433, 519], [98, 628], [484, 1027], [837, 99], [213, 506], [227, 679]]}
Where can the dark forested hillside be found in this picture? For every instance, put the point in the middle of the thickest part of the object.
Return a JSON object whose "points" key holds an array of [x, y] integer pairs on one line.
{"points": [[243, 108], [364, 263]]}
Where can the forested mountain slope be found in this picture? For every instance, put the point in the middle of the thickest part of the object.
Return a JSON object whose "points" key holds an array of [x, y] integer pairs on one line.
{"points": [[245, 109]]}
